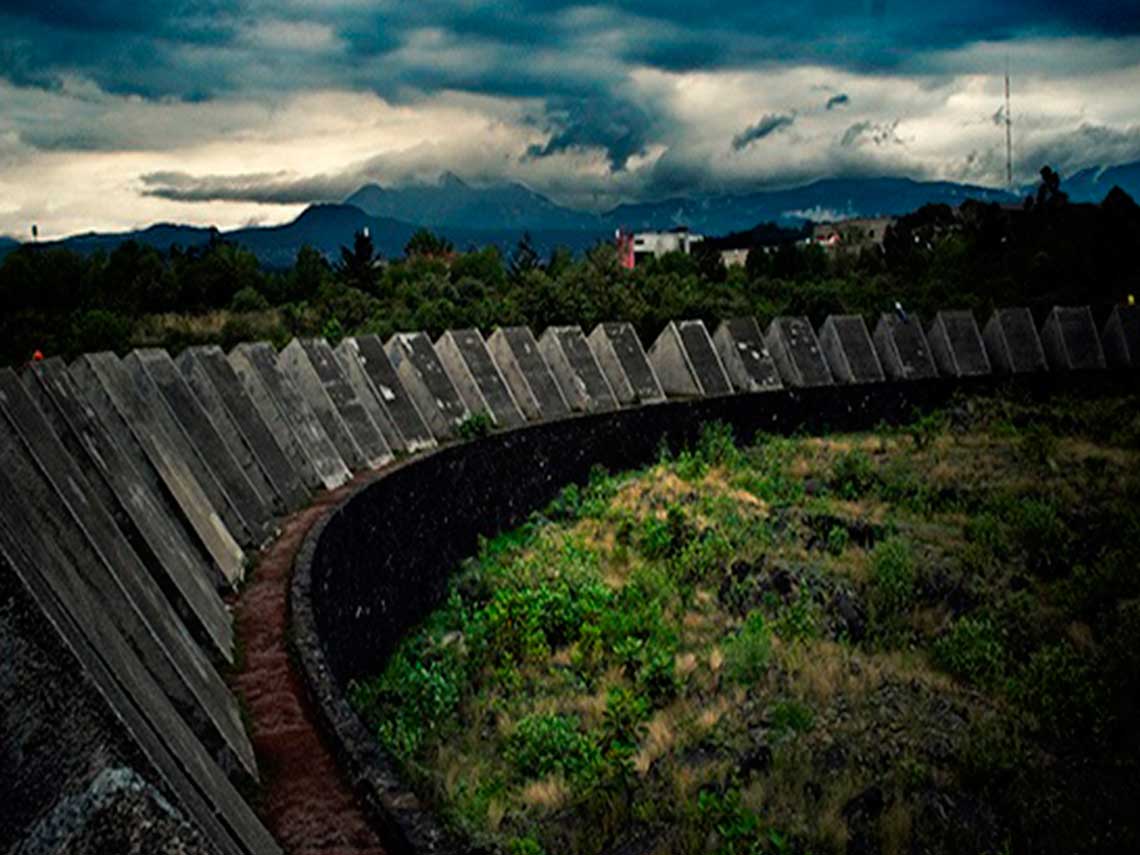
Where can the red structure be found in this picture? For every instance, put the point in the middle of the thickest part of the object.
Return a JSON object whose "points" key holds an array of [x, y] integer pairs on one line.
{"points": [[624, 243]]}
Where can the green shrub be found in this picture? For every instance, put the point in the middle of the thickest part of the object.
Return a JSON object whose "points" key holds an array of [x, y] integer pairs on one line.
{"points": [[476, 425], [792, 715], [717, 445], [525, 846], [972, 651], [747, 654], [893, 575], [1042, 535], [986, 530], [567, 506], [798, 619], [837, 539], [543, 745], [623, 727], [1058, 686], [249, 299], [852, 474], [410, 700], [664, 538]]}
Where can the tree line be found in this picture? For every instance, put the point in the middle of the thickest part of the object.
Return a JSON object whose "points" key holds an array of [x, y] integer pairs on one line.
{"points": [[1045, 252]]}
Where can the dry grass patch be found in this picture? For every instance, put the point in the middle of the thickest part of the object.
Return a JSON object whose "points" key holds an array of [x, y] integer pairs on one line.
{"points": [[549, 794]]}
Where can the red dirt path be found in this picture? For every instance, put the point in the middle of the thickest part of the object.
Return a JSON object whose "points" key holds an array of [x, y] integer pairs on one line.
{"points": [[306, 802]]}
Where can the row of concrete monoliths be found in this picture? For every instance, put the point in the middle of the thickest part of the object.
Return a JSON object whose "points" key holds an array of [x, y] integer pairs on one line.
{"points": [[132, 490]]}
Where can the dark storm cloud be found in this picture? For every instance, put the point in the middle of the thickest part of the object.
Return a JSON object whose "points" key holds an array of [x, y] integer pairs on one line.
{"points": [[839, 100], [875, 133], [767, 126], [574, 58], [271, 188]]}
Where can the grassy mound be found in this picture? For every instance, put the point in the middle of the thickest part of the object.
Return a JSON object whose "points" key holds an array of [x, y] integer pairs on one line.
{"points": [[913, 640]]}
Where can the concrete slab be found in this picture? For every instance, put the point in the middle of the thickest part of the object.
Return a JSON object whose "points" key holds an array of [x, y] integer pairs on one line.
{"points": [[704, 358], [350, 404], [517, 356], [250, 441], [275, 420], [746, 360], [796, 352], [577, 373], [902, 348], [294, 363], [623, 360], [427, 383], [172, 560], [124, 413], [259, 360], [368, 368], [56, 510], [117, 694], [467, 361], [1070, 340], [671, 365], [153, 368], [1121, 338], [957, 345], [169, 431], [849, 351], [1012, 343]]}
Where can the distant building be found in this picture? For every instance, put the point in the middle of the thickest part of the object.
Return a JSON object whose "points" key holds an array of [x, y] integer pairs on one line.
{"points": [[656, 244], [852, 235], [734, 257]]}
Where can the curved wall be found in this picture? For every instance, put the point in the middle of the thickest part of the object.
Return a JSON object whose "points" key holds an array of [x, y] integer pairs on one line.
{"points": [[380, 562]]}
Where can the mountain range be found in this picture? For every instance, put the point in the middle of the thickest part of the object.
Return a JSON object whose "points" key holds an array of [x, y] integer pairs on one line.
{"points": [[499, 214]]}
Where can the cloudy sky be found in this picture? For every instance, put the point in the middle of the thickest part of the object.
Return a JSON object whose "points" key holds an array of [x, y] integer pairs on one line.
{"points": [[119, 113]]}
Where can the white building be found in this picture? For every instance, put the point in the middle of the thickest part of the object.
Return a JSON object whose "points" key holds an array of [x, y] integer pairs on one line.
{"points": [[657, 244]]}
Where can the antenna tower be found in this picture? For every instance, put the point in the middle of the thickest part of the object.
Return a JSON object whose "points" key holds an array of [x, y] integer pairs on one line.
{"points": [[1008, 132]]}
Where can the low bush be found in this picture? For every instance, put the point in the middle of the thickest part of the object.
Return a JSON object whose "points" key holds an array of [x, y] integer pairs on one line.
{"points": [[747, 653], [543, 745], [893, 576], [972, 651], [852, 474]]}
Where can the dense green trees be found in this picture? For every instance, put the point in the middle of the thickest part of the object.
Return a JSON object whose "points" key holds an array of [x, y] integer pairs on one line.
{"points": [[977, 257]]}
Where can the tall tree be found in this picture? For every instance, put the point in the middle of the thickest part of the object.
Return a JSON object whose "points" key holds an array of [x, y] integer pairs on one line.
{"points": [[357, 267]]}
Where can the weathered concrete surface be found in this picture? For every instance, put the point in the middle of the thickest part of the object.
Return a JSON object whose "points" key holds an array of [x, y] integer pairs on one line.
{"points": [[516, 353], [236, 417], [61, 521], [349, 403], [1121, 337], [153, 366], [275, 420], [73, 673], [423, 376], [1012, 343], [370, 371], [175, 563], [796, 352], [59, 738], [746, 360], [295, 363], [957, 345], [259, 360], [577, 373], [704, 358], [850, 354], [467, 361], [671, 365], [622, 359], [902, 348], [123, 415], [1070, 340], [169, 432]]}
